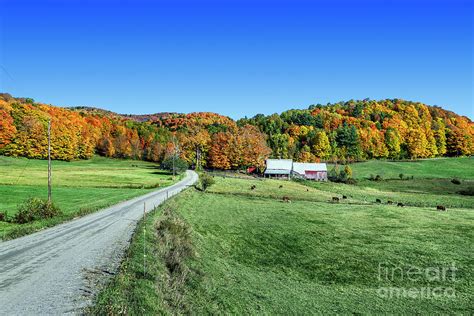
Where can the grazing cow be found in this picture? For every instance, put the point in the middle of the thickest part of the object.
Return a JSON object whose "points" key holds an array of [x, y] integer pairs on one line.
{"points": [[389, 202], [286, 199], [441, 208], [335, 199], [281, 186], [378, 201], [307, 190], [344, 197], [400, 204], [253, 187]]}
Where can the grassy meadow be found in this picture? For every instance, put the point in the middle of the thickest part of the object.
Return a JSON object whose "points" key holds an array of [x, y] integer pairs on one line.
{"points": [[79, 187], [252, 253], [444, 168], [425, 182]]}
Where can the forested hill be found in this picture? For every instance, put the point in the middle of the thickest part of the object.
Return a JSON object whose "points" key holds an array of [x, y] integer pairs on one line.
{"points": [[366, 129], [352, 130]]}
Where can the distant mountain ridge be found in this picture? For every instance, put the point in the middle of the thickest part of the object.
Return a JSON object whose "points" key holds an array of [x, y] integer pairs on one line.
{"points": [[135, 117]]}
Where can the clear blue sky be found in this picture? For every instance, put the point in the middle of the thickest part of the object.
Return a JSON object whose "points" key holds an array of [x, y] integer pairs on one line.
{"points": [[236, 57]]}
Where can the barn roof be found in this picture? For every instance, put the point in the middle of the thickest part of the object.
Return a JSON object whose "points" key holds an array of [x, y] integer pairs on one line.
{"points": [[301, 167], [279, 166]]}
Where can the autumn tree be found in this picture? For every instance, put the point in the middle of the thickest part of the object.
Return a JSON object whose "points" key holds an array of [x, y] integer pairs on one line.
{"points": [[416, 143], [106, 147], [7, 127], [219, 154], [154, 151], [440, 136], [392, 142], [249, 148], [321, 146]]}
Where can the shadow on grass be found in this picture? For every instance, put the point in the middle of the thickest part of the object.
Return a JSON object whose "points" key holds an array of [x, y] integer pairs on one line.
{"points": [[162, 172]]}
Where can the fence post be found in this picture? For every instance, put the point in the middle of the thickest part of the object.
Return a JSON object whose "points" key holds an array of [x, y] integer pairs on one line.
{"points": [[144, 238]]}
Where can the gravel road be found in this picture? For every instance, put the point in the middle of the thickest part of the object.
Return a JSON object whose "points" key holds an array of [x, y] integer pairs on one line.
{"points": [[56, 271]]}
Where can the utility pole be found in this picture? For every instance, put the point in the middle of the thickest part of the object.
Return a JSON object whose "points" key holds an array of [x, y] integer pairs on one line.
{"points": [[144, 238], [49, 161], [174, 170]]}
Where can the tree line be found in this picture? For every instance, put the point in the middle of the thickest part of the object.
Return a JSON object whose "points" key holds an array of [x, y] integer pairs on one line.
{"points": [[366, 129], [353, 130], [202, 140]]}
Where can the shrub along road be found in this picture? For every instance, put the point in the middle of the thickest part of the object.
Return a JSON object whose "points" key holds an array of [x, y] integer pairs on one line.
{"points": [[57, 270]]}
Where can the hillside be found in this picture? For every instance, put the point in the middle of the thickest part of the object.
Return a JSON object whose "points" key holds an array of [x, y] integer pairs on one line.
{"points": [[234, 250], [366, 129], [345, 131]]}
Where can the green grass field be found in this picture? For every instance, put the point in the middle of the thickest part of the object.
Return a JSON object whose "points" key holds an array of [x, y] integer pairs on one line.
{"points": [[447, 168], [256, 254], [79, 187]]}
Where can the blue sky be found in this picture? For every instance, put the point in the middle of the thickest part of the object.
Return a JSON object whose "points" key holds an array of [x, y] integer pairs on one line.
{"points": [[236, 57]]}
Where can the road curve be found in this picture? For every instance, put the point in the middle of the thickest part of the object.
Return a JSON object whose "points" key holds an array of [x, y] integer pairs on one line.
{"points": [[56, 271]]}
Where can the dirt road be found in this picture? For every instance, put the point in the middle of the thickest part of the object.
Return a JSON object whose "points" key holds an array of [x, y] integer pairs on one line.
{"points": [[56, 271]]}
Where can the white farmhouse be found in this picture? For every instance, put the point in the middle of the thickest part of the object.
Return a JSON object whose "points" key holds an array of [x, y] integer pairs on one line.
{"points": [[278, 168]]}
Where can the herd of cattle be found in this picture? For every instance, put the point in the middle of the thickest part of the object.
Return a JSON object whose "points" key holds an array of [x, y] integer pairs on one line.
{"points": [[336, 199]]}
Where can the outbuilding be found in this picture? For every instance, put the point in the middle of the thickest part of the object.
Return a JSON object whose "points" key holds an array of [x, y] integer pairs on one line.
{"points": [[311, 171], [278, 168]]}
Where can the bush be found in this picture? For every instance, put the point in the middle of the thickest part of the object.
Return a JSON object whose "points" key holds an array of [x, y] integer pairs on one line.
{"points": [[400, 176], [342, 176], [333, 174], [456, 181], [3, 217], [375, 178], [35, 209], [348, 171], [205, 181], [469, 191]]}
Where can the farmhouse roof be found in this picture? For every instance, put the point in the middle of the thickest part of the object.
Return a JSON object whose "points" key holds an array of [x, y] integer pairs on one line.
{"points": [[279, 166], [301, 167]]}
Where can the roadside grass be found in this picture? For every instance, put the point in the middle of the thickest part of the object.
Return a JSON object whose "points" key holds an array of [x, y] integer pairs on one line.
{"points": [[79, 187], [147, 284], [259, 255], [448, 168]]}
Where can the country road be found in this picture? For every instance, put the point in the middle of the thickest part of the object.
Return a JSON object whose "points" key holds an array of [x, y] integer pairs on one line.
{"points": [[56, 271]]}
